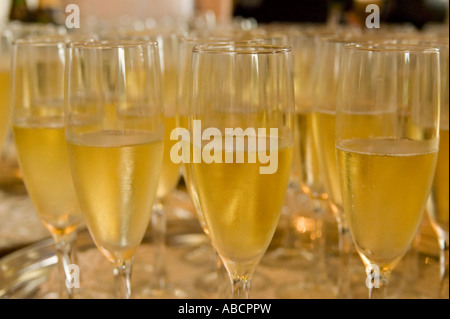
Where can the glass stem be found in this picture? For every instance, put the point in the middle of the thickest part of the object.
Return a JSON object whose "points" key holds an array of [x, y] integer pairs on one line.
{"points": [[319, 241], [291, 233], [443, 264], [159, 229], [222, 278], [240, 287], [122, 278], [66, 254], [345, 244], [377, 281]]}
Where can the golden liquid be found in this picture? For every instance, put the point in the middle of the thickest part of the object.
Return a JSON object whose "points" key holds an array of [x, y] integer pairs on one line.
{"points": [[363, 125], [385, 187], [306, 162], [241, 207], [116, 176], [438, 204], [187, 176], [170, 90], [5, 106], [170, 172], [44, 163], [324, 125], [190, 186]]}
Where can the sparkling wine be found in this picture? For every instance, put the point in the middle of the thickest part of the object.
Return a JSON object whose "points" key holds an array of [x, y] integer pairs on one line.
{"points": [[306, 161], [170, 172], [241, 207], [438, 203], [385, 186], [5, 107], [116, 176], [42, 152]]}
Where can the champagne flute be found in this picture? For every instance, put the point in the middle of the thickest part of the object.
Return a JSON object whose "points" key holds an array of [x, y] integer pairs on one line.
{"points": [[9, 33], [240, 94], [187, 44], [387, 135], [308, 178], [204, 252], [38, 126], [438, 203], [437, 206], [5, 89], [115, 135], [326, 79], [170, 172], [168, 45], [304, 44]]}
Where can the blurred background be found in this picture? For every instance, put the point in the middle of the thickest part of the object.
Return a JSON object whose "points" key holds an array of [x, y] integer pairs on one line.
{"points": [[415, 12]]}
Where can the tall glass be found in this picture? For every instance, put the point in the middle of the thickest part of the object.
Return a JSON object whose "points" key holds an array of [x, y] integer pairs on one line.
{"points": [[5, 86], [5, 91], [168, 45], [307, 182], [324, 97], [387, 139], [170, 172], [203, 253], [38, 125], [438, 203], [304, 54], [167, 38], [115, 135], [8, 34], [241, 134]]}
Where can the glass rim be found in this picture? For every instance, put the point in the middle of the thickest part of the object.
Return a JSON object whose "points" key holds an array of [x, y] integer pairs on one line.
{"points": [[112, 44], [254, 36], [51, 39], [340, 39], [438, 41], [241, 48], [41, 41], [392, 47], [211, 39], [132, 34]]}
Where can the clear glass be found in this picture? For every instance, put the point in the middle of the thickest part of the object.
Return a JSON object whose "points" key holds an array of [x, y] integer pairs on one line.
{"points": [[387, 140], [115, 136], [438, 203], [8, 33], [307, 178], [256, 96], [213, 279], [5, 86], [324, 98], [38, 125], [168, 45]]}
